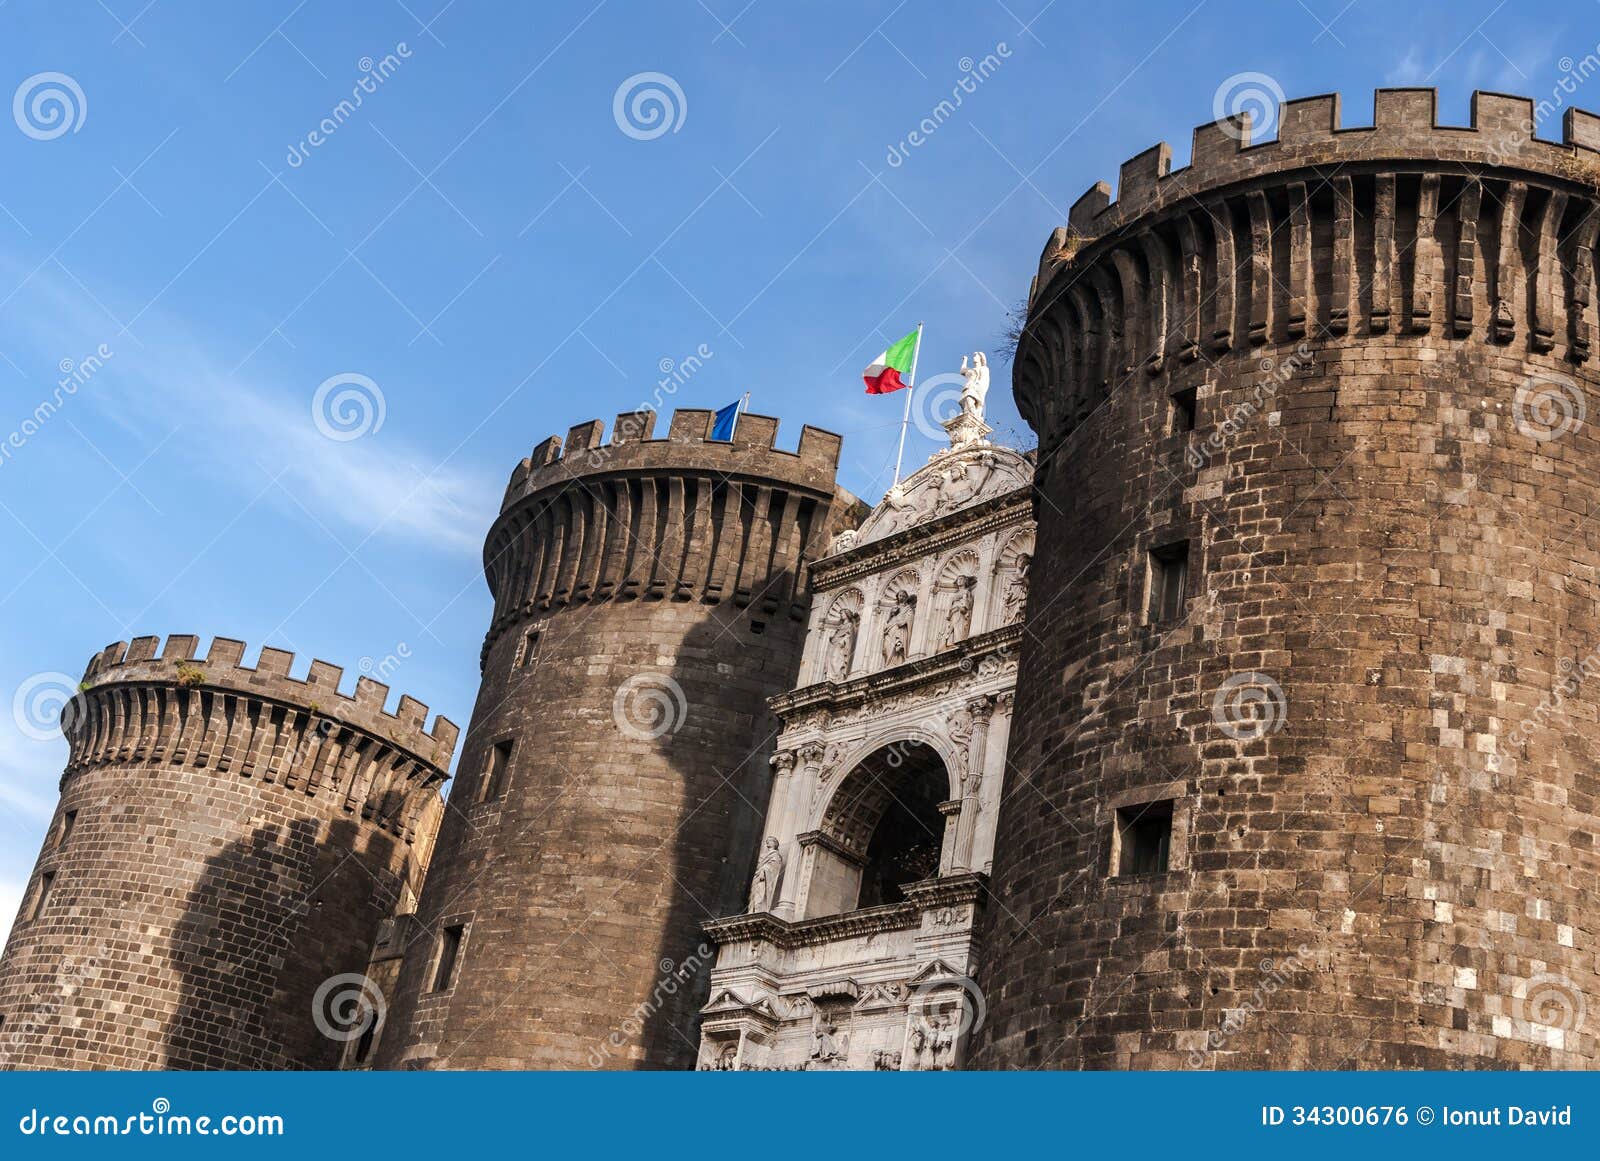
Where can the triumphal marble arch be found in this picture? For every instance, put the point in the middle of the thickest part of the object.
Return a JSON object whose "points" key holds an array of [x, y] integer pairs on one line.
{"points": [[856, 951]]}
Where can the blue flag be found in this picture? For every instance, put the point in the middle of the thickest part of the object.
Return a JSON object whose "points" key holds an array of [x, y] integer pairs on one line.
{"points": [[722, 425]]}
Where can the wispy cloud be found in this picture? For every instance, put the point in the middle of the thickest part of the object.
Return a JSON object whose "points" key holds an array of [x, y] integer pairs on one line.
{"points": [[1408, 70], [377, 485]]}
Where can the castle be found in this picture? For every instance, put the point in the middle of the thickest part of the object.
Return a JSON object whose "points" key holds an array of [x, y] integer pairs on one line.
{"points": [[1245, 724]]}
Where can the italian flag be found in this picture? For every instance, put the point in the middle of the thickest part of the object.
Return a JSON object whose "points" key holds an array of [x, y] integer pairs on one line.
{"points": [[884, 373]]}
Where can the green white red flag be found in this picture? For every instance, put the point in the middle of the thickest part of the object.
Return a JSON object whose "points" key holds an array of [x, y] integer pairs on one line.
{"points": [[891, 370]]}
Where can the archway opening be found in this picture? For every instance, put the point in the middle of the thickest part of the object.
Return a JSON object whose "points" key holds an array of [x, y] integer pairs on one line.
{"points": [[883, 830]]}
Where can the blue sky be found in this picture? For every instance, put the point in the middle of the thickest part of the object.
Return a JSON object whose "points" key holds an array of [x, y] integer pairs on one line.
{"points": [[499, 256]]}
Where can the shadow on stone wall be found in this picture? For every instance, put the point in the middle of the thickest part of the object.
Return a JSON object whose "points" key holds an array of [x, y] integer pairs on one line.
{"points": [[270, 919], [722, 755]]}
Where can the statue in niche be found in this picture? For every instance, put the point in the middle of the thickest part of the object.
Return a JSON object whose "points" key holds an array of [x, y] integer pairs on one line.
{"points": [[959, 726], [828, 1042], [897, 630], [1015, 597], [958, 617], [726, 1062], [764, 886], [920, 1038], [943, 1041], [842, 644], [975, 388]]}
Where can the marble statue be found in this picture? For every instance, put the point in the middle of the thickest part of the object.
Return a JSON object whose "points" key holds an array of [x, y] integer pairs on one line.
{"points": [[1015, 597], [764, 886], [944, 1042], [829, 1043], [975, 388], [958, 617], [842, 644], [897, 630], [959, 725]]}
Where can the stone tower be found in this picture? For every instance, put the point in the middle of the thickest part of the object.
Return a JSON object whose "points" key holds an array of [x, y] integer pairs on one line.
{"points": [[1303, 762], [650, 595], [227, 842]]}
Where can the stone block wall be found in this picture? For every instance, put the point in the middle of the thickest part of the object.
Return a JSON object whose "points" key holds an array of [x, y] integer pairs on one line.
{"points": [[1376, 714], [228, 840]]}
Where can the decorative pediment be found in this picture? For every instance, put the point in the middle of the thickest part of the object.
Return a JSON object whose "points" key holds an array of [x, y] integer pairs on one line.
{"points": [[936, 972], [951, 480], [727, 1003], [882, 997]]}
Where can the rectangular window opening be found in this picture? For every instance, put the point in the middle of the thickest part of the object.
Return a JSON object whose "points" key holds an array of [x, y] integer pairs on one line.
{"points": [[493, 783], [1169, 581], [449, 949], [1144, 838], [530, 650], [42, 895], [1183, 410], [68, 820]]}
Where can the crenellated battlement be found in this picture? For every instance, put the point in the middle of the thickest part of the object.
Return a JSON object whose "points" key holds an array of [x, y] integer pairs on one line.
{"points": [[1402, 228], [1405, 126], [142, 702], [633, 447], [680, 518]]}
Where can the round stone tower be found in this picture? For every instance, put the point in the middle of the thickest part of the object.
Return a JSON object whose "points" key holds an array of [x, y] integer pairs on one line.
{"points": [[650, 595], [227, 843], [1306, 722]]}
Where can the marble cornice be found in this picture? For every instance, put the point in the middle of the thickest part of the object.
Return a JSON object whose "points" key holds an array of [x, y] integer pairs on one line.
{"points": [[963, 658]]}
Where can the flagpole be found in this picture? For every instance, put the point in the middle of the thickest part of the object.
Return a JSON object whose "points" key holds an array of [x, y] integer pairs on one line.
{"points": [[905, 420]]}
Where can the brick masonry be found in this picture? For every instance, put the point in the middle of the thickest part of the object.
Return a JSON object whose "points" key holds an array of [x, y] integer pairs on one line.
{"points": [[236, 838], [1389, 501], [650, 595]]}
